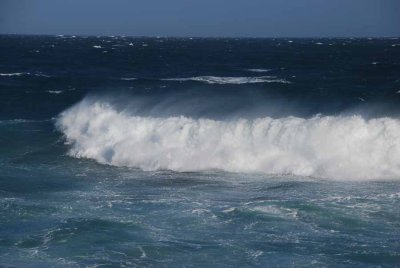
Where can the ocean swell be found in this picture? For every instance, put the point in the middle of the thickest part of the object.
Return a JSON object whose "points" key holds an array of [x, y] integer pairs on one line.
{"points": [[338, 147]]}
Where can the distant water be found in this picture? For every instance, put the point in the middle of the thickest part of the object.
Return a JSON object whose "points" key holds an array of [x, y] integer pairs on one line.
{"points": [[168, 152]]}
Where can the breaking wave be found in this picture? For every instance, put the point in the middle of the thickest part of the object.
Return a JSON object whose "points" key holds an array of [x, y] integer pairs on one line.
{"points": [[338, 147]]}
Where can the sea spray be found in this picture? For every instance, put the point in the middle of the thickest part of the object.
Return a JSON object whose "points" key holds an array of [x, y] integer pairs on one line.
{"points": [[337, 147]]}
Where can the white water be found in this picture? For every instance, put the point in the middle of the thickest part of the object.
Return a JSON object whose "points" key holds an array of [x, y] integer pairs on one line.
{"points": [[25, 73], [259, 70], [55, 91], [12, 74], [231, 80], [342, 147]]}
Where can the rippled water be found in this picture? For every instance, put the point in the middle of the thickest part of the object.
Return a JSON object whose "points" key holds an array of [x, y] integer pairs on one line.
{"points": [[113, 216], [199, 153]]}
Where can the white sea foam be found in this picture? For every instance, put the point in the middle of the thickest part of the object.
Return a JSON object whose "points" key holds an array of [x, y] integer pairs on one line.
{"points": [[12, 74], [259, 70], [25, 73], [55, 91], [61, 91], [230, 80], [128, 78], [339, 147]]}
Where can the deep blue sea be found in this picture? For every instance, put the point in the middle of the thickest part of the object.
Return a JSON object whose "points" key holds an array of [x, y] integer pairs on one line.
{"points": [[196, 152]]}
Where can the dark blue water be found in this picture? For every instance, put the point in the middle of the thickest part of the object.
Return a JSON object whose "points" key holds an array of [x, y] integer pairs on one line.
{"points": [[163, 152]]}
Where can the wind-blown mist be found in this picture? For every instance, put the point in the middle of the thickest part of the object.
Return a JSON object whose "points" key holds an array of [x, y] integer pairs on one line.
{"points": [[338, 147]]}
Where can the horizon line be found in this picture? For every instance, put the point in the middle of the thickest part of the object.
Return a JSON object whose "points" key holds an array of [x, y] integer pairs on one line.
{"points": [[204, 37]]}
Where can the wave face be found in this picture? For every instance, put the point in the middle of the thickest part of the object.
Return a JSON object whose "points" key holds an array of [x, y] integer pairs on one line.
{"points": [[338, 147]]}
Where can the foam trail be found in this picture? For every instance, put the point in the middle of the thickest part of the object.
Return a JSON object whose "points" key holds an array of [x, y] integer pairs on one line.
{"points": [[25, 73], [12, 74], [342, 147], [230, 80]]}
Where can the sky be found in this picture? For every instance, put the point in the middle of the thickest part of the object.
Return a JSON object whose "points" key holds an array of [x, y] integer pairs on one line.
{"points": [[203, 18]]}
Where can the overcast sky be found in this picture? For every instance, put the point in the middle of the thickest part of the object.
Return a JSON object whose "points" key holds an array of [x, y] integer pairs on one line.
{"points": [[235, 18]]}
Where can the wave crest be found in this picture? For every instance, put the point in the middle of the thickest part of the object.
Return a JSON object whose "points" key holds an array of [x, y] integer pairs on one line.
{"points": [[340, 147]]}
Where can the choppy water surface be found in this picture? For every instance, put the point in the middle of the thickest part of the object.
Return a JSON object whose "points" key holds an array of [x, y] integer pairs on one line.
{"points": [[118, 151]]}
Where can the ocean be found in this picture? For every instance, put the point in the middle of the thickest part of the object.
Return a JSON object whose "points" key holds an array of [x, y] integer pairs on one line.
{"points": [[199, 152]]}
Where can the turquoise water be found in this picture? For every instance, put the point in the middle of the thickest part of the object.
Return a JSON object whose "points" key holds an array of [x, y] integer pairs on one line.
{"points": [[199, 153], [59, 211]]}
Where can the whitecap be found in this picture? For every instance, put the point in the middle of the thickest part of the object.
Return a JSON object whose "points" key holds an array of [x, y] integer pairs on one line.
{"points": [[39, 74], [338, 147], [230, 80], [12, 74], [259, 70], [55, 91]]}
